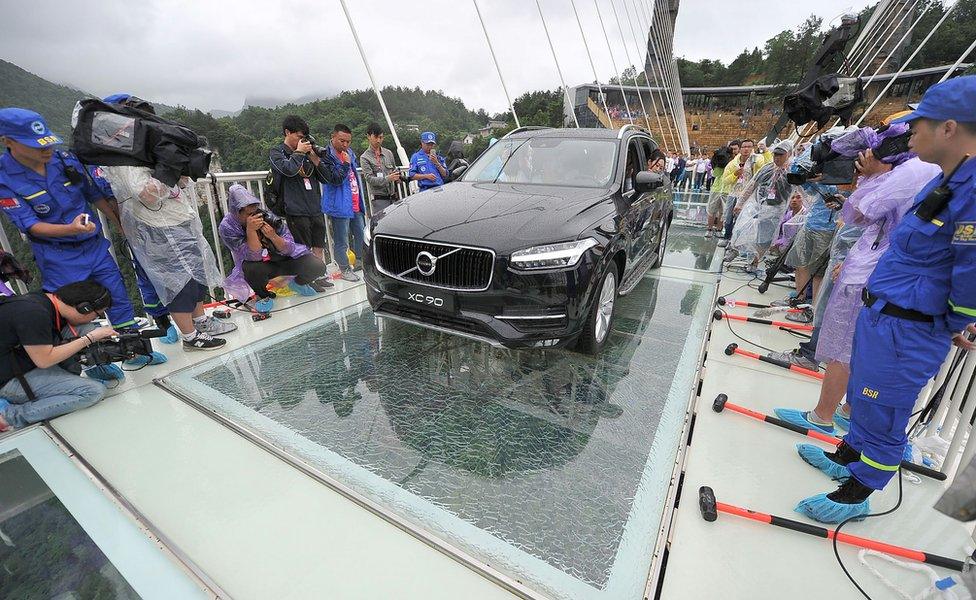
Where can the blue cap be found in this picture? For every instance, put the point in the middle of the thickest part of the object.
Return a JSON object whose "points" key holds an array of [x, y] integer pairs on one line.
{"points": [[116, 98], [428, 137], [27, 127], [952, 99]]}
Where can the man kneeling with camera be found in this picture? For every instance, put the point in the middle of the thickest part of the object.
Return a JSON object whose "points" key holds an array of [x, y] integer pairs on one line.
{"points": [[263, 248], [39, 370]]}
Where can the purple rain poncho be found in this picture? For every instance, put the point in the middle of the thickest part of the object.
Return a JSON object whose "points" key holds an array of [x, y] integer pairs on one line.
{"points": [[878, 205], [232, 235]]}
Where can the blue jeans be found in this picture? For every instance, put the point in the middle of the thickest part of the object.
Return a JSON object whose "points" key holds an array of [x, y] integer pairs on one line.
{"points": [[58, 392], [340, 238], [729, 216]]}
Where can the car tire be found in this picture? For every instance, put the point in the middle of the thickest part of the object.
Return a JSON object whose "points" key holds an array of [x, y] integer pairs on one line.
{"points": [[662, 243], [599, 321]]}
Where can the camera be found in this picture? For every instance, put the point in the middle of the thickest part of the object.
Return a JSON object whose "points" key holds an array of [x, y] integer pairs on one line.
{"points": [[122, 347], [271, 219], [832, 156], [319, 150]]}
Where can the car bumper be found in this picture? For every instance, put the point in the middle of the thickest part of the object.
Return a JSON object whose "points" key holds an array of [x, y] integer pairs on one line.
{"points": [[519, 309]]}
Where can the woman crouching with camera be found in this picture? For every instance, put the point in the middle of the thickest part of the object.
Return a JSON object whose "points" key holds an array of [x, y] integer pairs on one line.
{"points": [[263, 248]]}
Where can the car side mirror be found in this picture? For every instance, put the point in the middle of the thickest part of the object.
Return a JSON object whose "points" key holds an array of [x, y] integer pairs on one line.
{"points": [[458, 171], [648, 181]]}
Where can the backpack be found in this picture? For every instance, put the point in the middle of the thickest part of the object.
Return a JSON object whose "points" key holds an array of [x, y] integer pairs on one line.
{"points": [[273, 198]]}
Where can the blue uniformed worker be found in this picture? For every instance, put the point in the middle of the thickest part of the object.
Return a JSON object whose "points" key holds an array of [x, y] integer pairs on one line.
{"points": [[920, 300], [427, 167], [150, 299], [47, 194]]}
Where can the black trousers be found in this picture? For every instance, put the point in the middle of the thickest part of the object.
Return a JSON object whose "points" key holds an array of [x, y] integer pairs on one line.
{"points": [[258, 273]]}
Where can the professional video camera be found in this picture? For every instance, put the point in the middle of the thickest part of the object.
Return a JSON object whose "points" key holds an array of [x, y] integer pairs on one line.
{"points": [[721, 157], [122, 347], [123, 135], [832, 156]]}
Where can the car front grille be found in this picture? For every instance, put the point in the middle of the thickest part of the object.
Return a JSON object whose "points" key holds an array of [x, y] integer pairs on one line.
{"points": [[457, 267]]}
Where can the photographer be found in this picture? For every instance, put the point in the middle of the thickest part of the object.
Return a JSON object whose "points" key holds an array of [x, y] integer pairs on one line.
{"points": [[299, 173], [163, 228], [919, 300], [263, 248], [379, 170], [34, 383]]}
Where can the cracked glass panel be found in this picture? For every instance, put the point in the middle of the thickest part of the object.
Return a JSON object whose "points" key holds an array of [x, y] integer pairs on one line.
{"points": [[44, 552], [688, 249], [549, 465]]}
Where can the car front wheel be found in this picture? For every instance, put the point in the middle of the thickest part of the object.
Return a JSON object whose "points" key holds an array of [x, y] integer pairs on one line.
{"points": [[600, 319]]}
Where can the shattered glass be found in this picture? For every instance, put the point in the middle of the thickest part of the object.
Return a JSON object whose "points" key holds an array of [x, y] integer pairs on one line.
{"points": [[549, 465]]}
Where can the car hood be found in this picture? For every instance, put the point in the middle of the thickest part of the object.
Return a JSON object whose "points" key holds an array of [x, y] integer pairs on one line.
{"points": [[500, 216]]}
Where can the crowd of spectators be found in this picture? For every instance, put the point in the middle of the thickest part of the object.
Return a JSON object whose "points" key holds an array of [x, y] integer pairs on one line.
{"points": [[279, 243]]}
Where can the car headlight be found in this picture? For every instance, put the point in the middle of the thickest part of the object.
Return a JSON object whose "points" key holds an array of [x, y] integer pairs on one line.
{"points": [[367, 235], [552, 256]]}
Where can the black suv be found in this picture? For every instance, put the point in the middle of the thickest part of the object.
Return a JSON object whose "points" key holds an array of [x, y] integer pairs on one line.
{"points": [[531, 246]]}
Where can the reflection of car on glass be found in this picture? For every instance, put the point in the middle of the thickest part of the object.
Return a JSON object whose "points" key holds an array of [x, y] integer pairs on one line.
{"points": [[532, 246]]}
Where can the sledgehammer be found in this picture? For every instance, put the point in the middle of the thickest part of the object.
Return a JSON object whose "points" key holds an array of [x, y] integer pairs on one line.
{"points": [[720, 314], [722, 402], [710, 508]]}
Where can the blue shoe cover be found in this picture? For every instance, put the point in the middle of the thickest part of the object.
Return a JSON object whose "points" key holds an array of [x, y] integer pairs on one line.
{"points": [[842, 421], [799, 418], [172, 335], [301, 290], [156, 358], [823, 509], [815, 456], [264, 305], [109, 372]]}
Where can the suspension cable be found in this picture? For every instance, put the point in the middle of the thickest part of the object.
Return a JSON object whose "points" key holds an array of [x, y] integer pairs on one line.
{"points": [[894, 29], [665, 53], [956, 64], [596, 77], [404, 160], [672, 130], [874, 31], [647, 79], [613, 63], [545, 27], [676, 83], [627, 55], [906, 63], [880, 8], [494, 59]]}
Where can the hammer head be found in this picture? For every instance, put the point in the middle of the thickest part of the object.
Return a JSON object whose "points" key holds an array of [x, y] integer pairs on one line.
{"points": [[706, 503], [719, 404], [730, 349], [717, 315], [721, 300]]}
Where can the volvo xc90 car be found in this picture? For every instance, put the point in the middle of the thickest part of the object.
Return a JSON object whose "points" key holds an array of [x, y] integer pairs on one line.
{"points": [[531, 246]]}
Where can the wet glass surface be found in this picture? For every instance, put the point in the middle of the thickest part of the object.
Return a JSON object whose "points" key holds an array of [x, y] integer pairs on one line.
{"points": [[44, 552], [532, 461], [688, 249]]}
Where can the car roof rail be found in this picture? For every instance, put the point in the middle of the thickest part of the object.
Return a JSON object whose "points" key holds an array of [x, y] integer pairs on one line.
{"points": [[525, 128], [623, 130]]}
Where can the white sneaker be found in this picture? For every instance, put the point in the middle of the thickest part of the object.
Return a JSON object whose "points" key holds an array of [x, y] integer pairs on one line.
{"points": [[348, 275], [212, 326], [723, 243], [795, 358], [708, 234]]}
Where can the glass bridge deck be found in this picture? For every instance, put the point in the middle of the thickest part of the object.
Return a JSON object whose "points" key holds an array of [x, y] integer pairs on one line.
{"points": [[550, 466]]}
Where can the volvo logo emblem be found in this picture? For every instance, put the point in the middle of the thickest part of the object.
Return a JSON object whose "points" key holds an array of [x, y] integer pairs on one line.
{"points": [[426, 263]]}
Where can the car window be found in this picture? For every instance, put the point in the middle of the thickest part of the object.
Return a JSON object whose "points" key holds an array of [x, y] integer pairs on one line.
{"points": [[633, 166], [547, 161]]}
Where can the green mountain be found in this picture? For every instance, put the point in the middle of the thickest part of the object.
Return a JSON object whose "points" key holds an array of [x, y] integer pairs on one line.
{"points": [[26, 90]]}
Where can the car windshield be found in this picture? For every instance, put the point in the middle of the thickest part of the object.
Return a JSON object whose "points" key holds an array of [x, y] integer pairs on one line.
{"points": [[547, 161]]}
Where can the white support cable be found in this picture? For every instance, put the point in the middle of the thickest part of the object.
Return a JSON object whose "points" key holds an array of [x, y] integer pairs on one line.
{"points": [[868, 30], [545, 27], [596, 77], [956, 64], [627, 55], [404, 160], [907, 62], [894, 29], [491, 49], [656, 34], [676, 84], [647, 79], [613, 63], [638, 9], [877, 30]]}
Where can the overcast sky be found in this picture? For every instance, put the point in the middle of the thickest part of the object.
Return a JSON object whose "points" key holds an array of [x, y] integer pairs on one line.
{"points": [[214, 54]]}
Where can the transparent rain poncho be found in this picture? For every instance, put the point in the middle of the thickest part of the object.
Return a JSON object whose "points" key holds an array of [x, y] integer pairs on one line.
{"points": [[163, 229], [766, 199]]}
